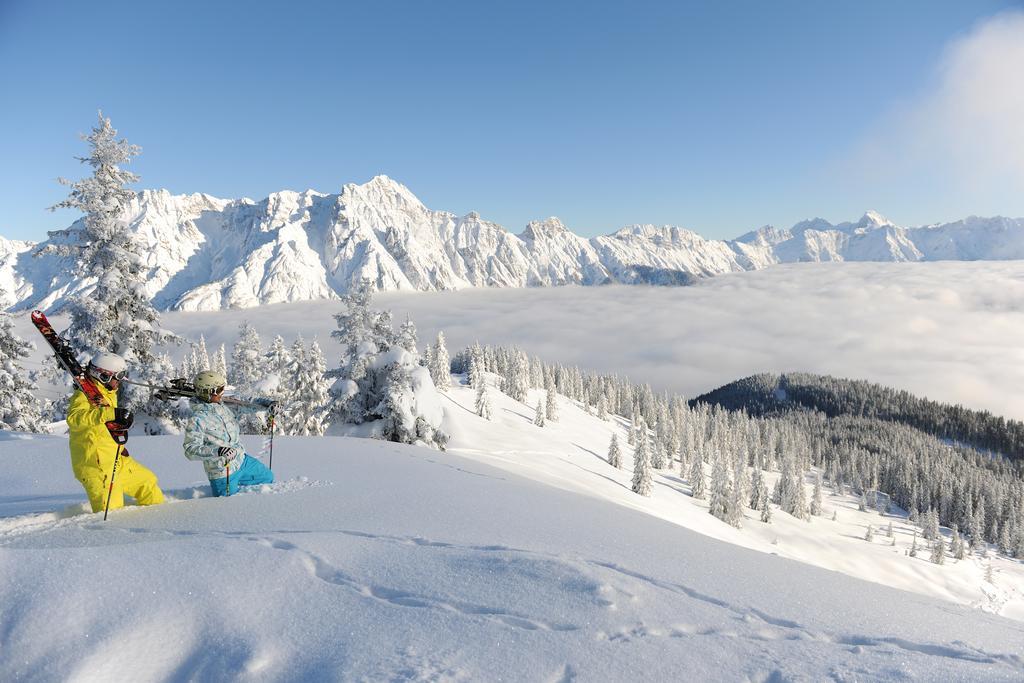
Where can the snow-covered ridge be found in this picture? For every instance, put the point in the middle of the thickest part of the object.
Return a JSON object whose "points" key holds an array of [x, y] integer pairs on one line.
{"points": [[205, 253]]}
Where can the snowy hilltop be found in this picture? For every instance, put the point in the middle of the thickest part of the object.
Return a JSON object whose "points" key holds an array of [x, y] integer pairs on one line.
{"points": [[205, 253]]}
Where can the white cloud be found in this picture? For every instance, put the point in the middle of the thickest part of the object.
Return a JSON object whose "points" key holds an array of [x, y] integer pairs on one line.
{"points": [[963, 135], [948, 330]]}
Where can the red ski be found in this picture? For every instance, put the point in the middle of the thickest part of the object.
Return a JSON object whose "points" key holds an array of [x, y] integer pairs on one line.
{"points": [[69, 361]]}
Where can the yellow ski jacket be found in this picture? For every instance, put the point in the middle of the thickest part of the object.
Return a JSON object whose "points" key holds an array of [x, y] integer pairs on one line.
{"points": [[91, 443]]}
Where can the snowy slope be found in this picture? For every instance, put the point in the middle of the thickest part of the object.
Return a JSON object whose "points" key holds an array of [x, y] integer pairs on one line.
{"points": [[374, 561], [206, 253]]}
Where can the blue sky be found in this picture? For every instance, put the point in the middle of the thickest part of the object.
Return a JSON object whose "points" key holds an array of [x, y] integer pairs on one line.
{"points": [[718, 116]]}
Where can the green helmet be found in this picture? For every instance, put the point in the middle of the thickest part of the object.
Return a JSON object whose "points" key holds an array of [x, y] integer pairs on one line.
{"points": [[209, 382]]}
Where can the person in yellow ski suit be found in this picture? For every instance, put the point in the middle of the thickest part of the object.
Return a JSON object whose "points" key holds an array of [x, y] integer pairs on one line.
{"points": [[93, 449]]}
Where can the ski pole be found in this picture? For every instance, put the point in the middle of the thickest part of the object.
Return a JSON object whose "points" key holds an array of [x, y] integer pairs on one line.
{"points": [[273, 410], [113, 473], [227, 470]]}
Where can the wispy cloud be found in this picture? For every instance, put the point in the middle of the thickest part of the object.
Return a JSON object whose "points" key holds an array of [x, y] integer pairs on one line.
{"points": [[963, 135]]}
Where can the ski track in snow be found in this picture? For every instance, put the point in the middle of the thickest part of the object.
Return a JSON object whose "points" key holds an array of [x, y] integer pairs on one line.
{"points": [[751, 624]]}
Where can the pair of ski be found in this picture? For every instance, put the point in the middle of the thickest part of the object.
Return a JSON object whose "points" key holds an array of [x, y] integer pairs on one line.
{"points": [[119, 433]]}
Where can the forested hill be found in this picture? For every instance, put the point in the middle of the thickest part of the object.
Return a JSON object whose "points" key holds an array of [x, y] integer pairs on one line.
{"points": [[768, 395]]}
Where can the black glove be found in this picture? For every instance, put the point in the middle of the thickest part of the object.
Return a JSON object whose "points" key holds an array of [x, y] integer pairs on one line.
{"points": [[124, 417], [265, 402], [227, 452]]}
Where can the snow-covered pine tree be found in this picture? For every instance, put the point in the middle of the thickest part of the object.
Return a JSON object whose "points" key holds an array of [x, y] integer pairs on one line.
{"points": [[538, 414], [913, 546], [407, 337], [220, 361], [378, 383], [440, 369], [759, 490], [602, 408], [483, 400], [956, 545], [734, 514], [20, 407], [277, 364], [277, 359], [930, 526], [642, 462], [816, 496], [615, 453], [766, 509], [862, 504], [550, 404], [115, 314], [245, 373], [657, 453], [938, 552], [307, 390], [696, 477], [517, 377], [247, 365], [869, 535], [720, 486], [202, 357], [476, 366]]}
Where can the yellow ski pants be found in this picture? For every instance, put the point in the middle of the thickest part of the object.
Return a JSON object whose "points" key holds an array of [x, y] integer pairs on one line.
{"points": [[132, 478]]}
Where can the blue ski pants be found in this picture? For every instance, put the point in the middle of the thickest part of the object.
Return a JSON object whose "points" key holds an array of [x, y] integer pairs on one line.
{"points": [[251, 472]]}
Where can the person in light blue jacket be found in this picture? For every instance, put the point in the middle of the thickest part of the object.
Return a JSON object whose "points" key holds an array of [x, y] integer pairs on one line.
{"points": [[212, 436]]}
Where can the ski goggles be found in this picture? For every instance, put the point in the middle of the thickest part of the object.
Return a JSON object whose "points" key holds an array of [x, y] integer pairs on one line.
{"points": [[105, 376]]}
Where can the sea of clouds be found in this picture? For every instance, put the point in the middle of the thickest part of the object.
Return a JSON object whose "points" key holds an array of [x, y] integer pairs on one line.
{"points": [[952, 331]]}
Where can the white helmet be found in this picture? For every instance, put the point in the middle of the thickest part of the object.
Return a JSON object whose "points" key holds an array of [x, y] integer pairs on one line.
{"points": [[209, 382], [106, 366]]}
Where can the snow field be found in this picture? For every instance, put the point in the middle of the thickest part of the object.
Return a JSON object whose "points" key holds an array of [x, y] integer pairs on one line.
{"points": [[394, 562]]}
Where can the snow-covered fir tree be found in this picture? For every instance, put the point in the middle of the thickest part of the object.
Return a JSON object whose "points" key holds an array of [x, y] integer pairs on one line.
{"points": [[766, 509], [869, 535], [538, 414], [407, 337], [440, 367], [550, 404], [381, 387], [758, 488], [696, 477], [202, 356], [246, 374], [930, 526], [720, 487], [113, 313], [642, 462], [307, 390], [913, 546], [734, 513], [816, 496], [956, 545], [938, 555], [220, 361], [247, 365], [615, 453], [483, 400], [277, 358], [20, 407]]}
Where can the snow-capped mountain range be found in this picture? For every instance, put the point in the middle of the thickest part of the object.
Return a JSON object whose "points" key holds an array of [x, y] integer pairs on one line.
{"points": [[206, 253]]}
